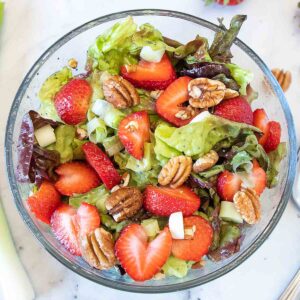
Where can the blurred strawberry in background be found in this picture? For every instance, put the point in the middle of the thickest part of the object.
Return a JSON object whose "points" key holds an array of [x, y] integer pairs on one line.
{"points": [[224, 2]]}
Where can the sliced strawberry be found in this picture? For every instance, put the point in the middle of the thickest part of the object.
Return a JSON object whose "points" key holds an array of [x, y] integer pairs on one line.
{"points": [[163, 201], [101, 164], [258, 178], [140, 259], [228, 2], [133, 132], [273, 139], [170, 101], [64, 228], [150, 76], [235, 109], [76, 178], [87, 218], [44, 202], [261, 120], [198, 246], [72, 101], [227, 185]]}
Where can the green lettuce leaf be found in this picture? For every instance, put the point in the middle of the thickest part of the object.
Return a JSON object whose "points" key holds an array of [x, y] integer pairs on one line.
{"points": [[255, 150], [49, 89], [97, 130], [110, 49], [215, 170], [194, 51], [176, 267], [242, 161], [65, 135], [111, 224], [95, 197], [219, 50], [198, 138], [112, 145], [275, 157], [1, 12], [77, 149], [241, 76]]}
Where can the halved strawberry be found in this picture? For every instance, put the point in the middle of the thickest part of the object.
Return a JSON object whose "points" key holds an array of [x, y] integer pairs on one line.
{"points": [[258, 178], [227, 185], [65, 229], [198, 246], [163, 201], [72, 101], [229, 2], [170, 101], [101, 164], [261, 120], [235, 109], [44, 202], [88, 218], [133, 132], [76, 178], [274, 135], [140, 259], [150, 76]]}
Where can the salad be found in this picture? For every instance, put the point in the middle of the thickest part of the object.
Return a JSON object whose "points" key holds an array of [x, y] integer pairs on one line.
{"points": [[151, 160]]}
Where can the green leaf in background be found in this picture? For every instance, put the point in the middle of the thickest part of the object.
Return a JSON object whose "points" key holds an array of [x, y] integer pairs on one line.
{"points": [[1, 12]]}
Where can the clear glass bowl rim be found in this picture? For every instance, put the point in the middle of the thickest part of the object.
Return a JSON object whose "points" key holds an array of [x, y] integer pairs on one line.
{"points": [[125, 286]]}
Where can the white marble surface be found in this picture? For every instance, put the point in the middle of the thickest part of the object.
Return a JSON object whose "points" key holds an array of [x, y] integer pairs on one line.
{"points": [[272, 30]]}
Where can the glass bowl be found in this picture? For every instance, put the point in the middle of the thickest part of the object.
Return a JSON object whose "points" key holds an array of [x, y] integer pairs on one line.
{"points": [[183, 28]]}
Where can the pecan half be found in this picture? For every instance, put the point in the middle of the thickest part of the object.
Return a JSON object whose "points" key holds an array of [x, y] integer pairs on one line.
{"points": [[206, 161], [176, 171], [187, 112], [284, 78], [247, 203], [205, 92], [120, 92], [229, 93], [97, 249], [124, 203]]}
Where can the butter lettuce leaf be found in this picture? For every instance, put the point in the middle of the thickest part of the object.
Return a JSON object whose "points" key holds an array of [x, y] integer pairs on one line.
{"points": [[198, 138], [275, 157], [176, 267], [241, 76], [96, 197]]}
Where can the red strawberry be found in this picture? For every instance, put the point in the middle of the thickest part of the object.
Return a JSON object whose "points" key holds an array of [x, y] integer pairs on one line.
{"points": [[274, 136], [150, 76], [260, 120], [163, 201], [133, 132], [140, 259], [101, 164], [229, 2], [199, 245], [44, 202], [227, 185], [235, 109], [170, 101], [76, 178], [258, 177], [72, 101], [88, 218], [64, 228]]}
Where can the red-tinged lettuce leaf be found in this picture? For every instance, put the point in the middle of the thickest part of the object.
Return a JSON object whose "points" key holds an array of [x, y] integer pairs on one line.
{"points": [[38, 121], [42, 165], [204, 69], [219, 50], [25, 149], [230, 239], [34, 162]]}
